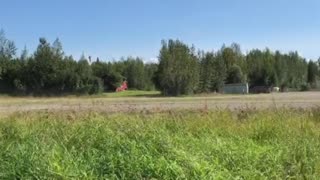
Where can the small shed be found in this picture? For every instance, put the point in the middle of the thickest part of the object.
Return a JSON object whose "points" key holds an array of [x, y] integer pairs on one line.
{"points": [[237, 88]]}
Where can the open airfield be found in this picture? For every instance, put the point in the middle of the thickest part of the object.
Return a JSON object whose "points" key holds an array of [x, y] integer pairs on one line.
{"points": [[135, 101]]}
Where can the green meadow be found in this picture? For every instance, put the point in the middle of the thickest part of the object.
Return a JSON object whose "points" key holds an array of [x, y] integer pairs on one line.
{"points": [[220, 144]]}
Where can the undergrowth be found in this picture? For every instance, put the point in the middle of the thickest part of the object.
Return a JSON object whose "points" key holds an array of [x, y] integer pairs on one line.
{"points": [[259, 144]]}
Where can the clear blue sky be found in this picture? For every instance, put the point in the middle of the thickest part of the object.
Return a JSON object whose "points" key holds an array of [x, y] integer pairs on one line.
{"points": [[114, 28]]}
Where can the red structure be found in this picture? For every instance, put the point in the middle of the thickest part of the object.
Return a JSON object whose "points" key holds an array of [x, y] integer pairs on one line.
{"points": [[123, 87]]}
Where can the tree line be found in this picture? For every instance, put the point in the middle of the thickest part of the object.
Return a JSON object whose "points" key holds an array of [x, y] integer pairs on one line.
{"points": [[48, 71], [181, 70]]}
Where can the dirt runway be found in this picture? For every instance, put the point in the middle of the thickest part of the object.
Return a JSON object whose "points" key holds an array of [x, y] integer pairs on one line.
{"points": [[302, 100]]}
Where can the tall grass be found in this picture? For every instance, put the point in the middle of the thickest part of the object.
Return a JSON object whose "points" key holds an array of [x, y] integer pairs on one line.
{"points": [[174, 145]]}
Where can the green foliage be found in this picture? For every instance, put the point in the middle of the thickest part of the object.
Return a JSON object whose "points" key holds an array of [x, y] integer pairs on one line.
{"points": [[206, 71], [138, 74], [312, 73], [111, 79], [178, 69], [7, 47], [305, 87], [212, 72], [229, 56], [234, 75], [267, 68], [48, 71], [150, 76], [260, 67], [134, 73], [177, 145]]}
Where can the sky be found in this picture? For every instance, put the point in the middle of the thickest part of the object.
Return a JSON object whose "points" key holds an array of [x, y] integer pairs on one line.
{"points": [[110, 29]]}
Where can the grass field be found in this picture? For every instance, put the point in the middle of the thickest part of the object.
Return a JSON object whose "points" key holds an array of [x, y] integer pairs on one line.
{"points": [[130, 93], [219, 144]]}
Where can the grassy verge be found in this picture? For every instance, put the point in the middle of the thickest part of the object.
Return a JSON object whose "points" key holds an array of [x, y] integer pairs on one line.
{"points": [[174, 145], [132, 93], [112, 96]]}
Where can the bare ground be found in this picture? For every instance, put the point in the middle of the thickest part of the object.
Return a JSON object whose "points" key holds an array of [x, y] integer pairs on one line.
{"points": [[303, 100]]}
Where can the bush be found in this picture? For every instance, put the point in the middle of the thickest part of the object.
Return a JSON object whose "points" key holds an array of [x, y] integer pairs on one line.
{"points": [[305, 87], [92, 86], [96, 86]]}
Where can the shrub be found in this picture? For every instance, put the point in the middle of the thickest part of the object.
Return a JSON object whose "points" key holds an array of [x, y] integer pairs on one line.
{"points": [[305, 87]]}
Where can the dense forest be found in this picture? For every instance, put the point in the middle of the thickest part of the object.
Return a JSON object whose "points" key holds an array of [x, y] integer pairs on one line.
{"points": [[181, 70]]}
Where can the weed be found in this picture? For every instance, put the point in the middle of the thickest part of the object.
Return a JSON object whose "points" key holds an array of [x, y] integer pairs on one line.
{"points": [[244, 144]]}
